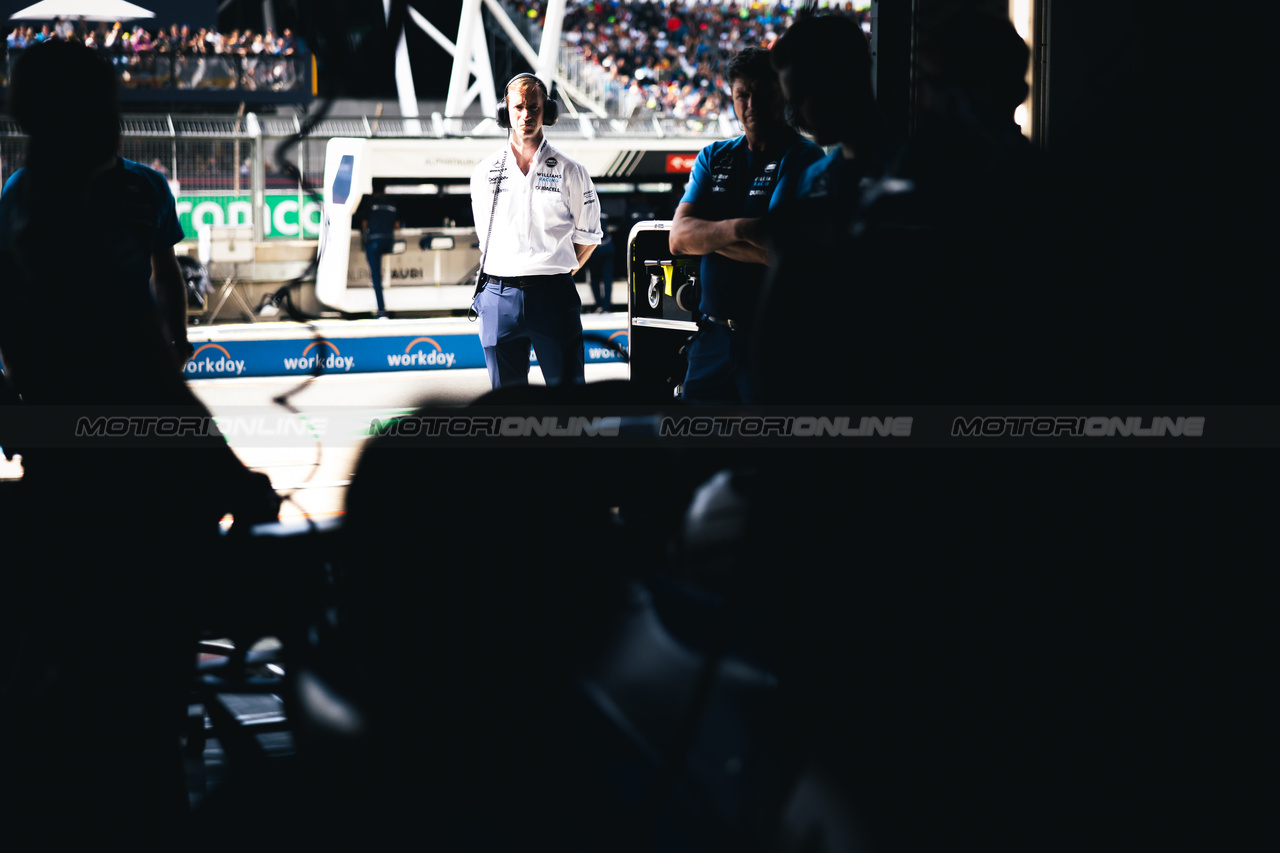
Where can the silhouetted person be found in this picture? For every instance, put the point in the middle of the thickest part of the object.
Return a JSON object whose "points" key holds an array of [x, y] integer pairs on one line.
{"points": [[1009, 650], [379, 230], [105, 565], [455, 675], [934, 260], [824, 69], [600, 268]]}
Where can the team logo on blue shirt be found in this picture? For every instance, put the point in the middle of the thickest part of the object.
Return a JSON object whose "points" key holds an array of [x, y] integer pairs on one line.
{"points": [[762, 183]]}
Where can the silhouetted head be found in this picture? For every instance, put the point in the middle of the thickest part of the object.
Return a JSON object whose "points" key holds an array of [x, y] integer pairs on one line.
{"points": [[979, 58], [824, 68], [66, 98]]}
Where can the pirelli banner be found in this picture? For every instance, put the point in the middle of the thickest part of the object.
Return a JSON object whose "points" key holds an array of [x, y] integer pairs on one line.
{"points": [[289, 216]]}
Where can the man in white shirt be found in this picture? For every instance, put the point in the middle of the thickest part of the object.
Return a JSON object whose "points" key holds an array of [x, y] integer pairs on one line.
{"points": [[538, 220]]}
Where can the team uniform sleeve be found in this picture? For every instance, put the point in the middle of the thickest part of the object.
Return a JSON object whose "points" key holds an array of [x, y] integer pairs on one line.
{"points": [[699, 188], [795, 164], [584, 208], [168, 231], [788, 189], [12, 182]]}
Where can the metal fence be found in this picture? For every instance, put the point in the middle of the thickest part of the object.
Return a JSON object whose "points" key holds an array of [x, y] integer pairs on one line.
{"points": [[229, 72], [223, 169]]}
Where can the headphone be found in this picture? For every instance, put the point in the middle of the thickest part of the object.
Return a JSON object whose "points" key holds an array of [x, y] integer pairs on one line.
{"points": [[550, 108]]}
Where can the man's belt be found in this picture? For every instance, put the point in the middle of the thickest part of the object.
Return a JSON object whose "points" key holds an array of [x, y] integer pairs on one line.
{"points": [[731, 325], [520, 282]]}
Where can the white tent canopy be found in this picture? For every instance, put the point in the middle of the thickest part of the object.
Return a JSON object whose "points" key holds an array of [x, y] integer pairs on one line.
{"points": [[90, 10]]}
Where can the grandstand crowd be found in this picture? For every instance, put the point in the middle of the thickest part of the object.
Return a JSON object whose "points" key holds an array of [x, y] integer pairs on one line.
{"points": [[177, 56], [667, 58], [637, 58], [119, 40]]}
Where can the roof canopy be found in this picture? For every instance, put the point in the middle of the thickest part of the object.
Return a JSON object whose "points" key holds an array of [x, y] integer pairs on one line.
{"points": [[90, 10]]}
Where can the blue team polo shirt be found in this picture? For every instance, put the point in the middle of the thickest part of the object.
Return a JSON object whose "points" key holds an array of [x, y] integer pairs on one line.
{"points": [[133, 216], [728, 181]]}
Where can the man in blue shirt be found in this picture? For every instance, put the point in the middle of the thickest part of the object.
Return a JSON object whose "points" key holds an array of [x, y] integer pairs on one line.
{"points": [[379, 238], [732, 187]]}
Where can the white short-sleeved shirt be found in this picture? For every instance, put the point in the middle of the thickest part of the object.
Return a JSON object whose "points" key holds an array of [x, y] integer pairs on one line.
{"points": [[540, 216]]}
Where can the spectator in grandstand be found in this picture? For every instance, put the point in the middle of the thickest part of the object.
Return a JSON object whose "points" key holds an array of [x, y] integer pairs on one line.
{"points": [[720, 217], [172, 41], [111, 41], [135, 564]]}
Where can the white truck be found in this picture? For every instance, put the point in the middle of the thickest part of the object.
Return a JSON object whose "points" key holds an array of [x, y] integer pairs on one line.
{"points": [[437, 253]]}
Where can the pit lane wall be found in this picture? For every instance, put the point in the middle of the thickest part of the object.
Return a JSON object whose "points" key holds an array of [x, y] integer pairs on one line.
{"points": [[365, 346]]}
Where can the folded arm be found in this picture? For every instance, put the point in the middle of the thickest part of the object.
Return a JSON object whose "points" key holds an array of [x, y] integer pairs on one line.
{"points": [[740, 239]]}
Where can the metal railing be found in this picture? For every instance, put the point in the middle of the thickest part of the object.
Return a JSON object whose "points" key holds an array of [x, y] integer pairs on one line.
{"points": [[174, 73], [223, 170]]}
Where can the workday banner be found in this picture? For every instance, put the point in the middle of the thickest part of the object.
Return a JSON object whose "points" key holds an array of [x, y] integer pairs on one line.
{"points": [[229, 359], [289, 216]]}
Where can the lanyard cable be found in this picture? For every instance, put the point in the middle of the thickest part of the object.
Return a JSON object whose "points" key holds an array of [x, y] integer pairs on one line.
{"points": [[497, 188]]}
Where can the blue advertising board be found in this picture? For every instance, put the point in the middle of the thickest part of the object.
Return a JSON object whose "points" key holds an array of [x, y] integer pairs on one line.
{"points": [[219, 356], [229, 358]]}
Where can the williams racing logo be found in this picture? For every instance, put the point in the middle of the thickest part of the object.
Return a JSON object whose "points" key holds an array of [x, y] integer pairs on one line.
{"points": [[213, 360], [761, 185], [422, 352], [323, 354], [547, 182]]}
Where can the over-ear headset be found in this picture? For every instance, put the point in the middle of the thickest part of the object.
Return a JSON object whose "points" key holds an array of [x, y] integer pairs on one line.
{"points": [[550, 108]]}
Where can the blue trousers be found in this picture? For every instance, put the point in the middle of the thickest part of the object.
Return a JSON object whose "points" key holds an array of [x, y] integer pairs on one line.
{"points": [[600, 268], [547, 317], [373, 252], [718, 368]]}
